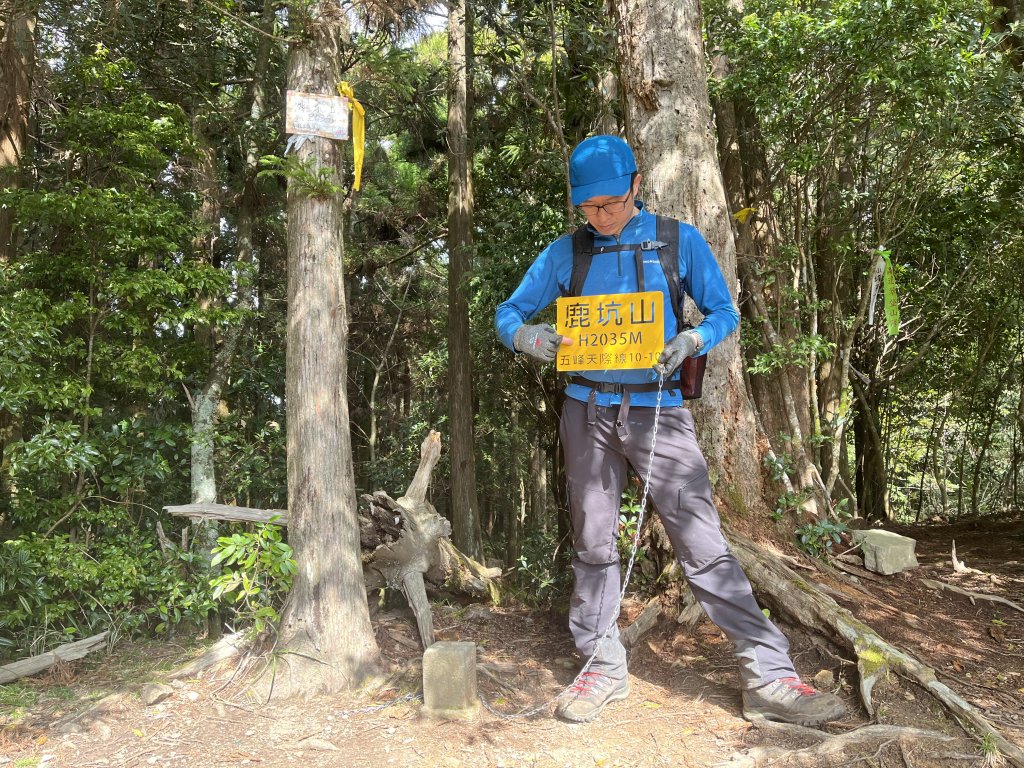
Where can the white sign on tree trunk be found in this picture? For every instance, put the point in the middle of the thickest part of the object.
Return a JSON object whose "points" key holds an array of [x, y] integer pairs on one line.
{"points": [[314, 114]]}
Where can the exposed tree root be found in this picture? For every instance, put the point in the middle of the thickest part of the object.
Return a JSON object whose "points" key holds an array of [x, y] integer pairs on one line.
{"points": [[223, 649], [865, 742], [802, 601]]}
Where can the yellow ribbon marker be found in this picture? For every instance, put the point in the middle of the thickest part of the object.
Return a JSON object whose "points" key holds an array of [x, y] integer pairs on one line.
{"points": [[358, 130]]}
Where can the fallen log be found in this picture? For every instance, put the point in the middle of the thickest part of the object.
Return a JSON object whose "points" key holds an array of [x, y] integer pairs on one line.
{"points": [[229, 512], [792, 595], [36, 664]]}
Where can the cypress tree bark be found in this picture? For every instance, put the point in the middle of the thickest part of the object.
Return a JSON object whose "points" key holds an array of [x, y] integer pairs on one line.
{"points": [[669, 124], [325, 627], [18, 59]]}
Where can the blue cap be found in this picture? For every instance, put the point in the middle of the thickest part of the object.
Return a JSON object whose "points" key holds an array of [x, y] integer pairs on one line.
{"points": [[600, 165]]}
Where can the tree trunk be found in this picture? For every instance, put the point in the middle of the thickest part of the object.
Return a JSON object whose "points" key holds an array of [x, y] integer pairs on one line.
{"points": [[204, 406], [18, 59], [871, 475], [537, 518], [465, 511], [325, 630], [1018, 434], [669, 124], [1007, 23], [17, 65], [782, 396]]}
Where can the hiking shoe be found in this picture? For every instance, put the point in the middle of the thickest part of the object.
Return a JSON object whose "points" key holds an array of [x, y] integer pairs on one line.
{"points": [[588, 696], [788, 700]]}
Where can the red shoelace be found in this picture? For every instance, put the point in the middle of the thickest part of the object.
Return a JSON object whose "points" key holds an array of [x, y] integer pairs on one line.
{"points": [[795, 684], [587, 681]]}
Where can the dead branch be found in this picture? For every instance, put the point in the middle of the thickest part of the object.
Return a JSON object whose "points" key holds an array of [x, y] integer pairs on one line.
{"points": [[958, 565], [224, 648], [229, 512], [972, 596], [642, 624]]}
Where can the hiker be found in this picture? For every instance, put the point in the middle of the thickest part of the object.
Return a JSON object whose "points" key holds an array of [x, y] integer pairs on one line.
{"points": [[607, 424]]}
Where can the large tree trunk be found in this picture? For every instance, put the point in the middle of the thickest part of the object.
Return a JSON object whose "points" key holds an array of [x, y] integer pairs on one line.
{"points": [[669, 124], [325, 630], [17, 64], [465, 510]]}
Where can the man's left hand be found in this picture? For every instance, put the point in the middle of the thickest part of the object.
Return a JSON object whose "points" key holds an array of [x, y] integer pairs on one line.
{"points": [[680, 347]]}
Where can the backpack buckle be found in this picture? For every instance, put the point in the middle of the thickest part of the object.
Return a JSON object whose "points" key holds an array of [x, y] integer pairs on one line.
{"points": [[652, 245]]}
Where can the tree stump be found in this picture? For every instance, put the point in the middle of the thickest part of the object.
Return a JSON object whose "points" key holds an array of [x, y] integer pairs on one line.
{"points": [[410, 542]]}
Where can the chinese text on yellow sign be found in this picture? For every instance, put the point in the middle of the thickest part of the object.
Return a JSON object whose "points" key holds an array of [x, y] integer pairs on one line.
{"points": [[610, 331]]}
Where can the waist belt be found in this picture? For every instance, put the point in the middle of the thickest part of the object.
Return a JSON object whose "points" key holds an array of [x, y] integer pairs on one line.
{"points": [[618, 389]]}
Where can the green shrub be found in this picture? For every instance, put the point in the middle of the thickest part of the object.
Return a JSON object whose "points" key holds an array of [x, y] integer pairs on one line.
{"points": [[257, 573], [56, 588]]}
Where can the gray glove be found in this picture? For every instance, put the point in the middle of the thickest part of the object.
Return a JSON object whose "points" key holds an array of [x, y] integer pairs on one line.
{"points": [[538, 341], [680, 347]]}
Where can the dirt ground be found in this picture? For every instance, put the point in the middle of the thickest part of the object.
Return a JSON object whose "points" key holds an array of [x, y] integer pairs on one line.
{"points": [[684, 709]]}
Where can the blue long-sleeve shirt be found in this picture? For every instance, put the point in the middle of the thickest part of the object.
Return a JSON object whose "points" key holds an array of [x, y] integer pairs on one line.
{"points": [[614, 272]]}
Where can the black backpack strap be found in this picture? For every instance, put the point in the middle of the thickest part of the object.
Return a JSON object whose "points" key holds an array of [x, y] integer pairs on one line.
{"points": [[668, 233], [667, 245], [582, 255]]}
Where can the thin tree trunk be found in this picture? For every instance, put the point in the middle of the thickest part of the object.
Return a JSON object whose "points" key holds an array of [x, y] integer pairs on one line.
{"points": [[465, 511], [537, 520], [940, 464], [204, 405], [378, 372], [986, 443], [1018, 433], [872, 478], [224, 346], [669, 123], [325, 630]]}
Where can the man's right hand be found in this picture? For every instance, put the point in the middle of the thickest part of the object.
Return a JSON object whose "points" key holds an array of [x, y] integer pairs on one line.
{"points": [[540, 342]]}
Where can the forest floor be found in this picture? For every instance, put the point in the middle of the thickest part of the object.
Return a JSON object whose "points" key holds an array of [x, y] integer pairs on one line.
{"points": [[684, 709]]}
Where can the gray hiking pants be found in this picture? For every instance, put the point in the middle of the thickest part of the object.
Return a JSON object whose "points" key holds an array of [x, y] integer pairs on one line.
{"points": [[599, 444]]}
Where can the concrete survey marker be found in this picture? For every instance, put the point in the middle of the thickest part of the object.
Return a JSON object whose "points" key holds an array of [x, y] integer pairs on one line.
{"points": [[449, 680], [886, 552]]}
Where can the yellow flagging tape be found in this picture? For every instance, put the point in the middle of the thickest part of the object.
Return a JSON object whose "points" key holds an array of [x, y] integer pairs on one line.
{"points": [[358, 130]]}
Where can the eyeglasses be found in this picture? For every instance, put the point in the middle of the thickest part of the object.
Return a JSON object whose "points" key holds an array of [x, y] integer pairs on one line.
{"points": [[616, 206]]}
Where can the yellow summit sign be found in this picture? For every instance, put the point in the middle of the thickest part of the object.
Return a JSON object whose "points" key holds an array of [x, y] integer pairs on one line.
{"points": [[610, 331]]}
